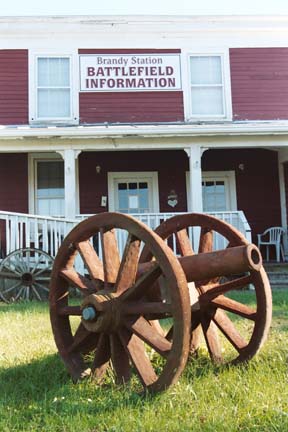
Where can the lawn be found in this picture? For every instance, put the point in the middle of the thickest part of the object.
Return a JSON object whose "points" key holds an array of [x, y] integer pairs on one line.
{"points": [[38, 395]]}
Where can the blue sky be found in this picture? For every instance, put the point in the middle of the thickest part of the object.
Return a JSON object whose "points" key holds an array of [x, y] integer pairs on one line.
{"points": [[135, 7]]}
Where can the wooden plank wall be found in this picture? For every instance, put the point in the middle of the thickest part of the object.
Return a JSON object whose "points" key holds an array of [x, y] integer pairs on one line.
{"points": [[259, 83], [13, 87]]}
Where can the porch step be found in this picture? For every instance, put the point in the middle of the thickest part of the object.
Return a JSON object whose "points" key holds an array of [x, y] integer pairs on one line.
{"points": [[277, 274]]}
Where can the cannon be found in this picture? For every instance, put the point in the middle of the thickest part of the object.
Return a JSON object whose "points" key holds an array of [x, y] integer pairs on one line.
{"points": [[144, 309]]}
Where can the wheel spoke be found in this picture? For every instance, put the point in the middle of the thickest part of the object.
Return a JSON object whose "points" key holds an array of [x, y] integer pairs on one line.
{"points": [[120, 359], [35, 292], [142, 284], [69, 311], [47, 261], [41, 286], [85, 285], [145, 331], [129, 264], [20, 262], [83, 340], [101, 357], [138, 356], [18, 295], [12, 288], [235, 307], [13, 270], [184, 243], [42, 270], [206, 240], [110, 255], [91, 260], [219, 289], [10, 275], [212, 338], [228, 329]]}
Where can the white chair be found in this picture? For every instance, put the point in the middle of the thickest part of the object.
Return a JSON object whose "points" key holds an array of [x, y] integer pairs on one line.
{"points": [[272, 237]]}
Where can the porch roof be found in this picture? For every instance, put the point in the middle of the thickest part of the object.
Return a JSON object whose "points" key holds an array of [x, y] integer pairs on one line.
{"points": [[107, 130]]}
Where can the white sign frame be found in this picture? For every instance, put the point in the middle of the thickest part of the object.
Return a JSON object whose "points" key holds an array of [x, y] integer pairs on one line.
{"points": [[130, 72]]}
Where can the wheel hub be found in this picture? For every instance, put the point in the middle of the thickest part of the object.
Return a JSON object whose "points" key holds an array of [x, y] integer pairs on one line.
{"points": [[101, 313], [27, 279]]}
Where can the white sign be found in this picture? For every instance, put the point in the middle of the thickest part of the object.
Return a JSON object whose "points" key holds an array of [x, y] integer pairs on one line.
{"points": [[133, 202], [129, 72]]}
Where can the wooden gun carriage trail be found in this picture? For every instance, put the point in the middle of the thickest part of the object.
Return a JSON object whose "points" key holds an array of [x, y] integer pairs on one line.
{"points": [[144, 309]]}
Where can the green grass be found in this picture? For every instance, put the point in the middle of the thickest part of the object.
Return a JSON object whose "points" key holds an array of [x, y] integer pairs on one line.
{"points": [[36, 393]]}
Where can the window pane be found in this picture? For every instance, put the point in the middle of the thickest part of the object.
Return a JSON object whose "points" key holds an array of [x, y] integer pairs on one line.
{"points": [[206, 70], [53, 103], [214, 196], [207, 101], [53, 72], [51, 207], [50, 188], [133, 197]]}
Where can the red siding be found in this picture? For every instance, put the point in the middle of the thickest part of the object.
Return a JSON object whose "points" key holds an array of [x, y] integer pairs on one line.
{"points": [[259, 83], [130, 107], [14, 182], [13, 87], [93, 186], [257, 185], [258, 193]]}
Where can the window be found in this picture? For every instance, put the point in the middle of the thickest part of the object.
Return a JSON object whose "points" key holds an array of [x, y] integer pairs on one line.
{"points": [[133, 192], [207, 86], [49, 190], [218, 191], [53, 88]]}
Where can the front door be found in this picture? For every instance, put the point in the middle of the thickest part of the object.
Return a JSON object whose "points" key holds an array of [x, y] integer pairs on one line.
{"points": [[133, 192]]}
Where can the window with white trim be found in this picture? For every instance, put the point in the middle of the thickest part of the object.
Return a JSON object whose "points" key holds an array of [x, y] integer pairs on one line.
{"points": [[207, 86], [53, 88], [218, 191], [131, 192], [49, 188]]}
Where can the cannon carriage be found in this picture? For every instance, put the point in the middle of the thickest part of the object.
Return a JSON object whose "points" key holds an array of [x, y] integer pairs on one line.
{"points": [[144, 309]]}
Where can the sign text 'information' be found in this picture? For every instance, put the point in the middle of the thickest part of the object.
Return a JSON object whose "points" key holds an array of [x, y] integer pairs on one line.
{"points": [[139, 72]]}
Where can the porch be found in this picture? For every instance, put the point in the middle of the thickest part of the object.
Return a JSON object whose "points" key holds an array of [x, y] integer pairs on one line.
{"points": [[19, 230]]}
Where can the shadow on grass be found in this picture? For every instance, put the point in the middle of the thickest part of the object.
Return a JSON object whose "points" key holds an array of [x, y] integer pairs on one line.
{"points": [[46, 382], [34, 379]]}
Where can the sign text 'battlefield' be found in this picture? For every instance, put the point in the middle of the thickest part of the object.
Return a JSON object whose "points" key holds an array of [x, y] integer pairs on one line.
{"points": [[141, 72]]}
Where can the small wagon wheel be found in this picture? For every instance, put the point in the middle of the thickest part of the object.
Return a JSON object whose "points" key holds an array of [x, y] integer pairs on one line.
{"points": [[222, 319], [25, 275], [112, 323]]}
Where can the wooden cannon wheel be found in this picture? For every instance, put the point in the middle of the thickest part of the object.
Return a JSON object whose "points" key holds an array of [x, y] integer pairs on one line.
{"points": [[25, 275], [223, 320], [113, 323]]}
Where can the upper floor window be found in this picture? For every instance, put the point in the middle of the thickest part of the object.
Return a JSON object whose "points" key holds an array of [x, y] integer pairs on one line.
{"points": [[53, 88], [207, 86]]}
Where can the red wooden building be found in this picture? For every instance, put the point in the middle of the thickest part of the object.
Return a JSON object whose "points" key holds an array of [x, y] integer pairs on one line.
{"points": [[144, 115]]}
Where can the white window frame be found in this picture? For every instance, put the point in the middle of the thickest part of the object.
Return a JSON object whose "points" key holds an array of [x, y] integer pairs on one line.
{"points": [[227, 99], [33, 159], [74, 88], [134, 176], [228, 177]]}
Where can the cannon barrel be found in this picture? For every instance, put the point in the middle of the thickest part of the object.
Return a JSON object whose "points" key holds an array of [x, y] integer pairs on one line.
{"points": [[203, 266], [234, 260]]}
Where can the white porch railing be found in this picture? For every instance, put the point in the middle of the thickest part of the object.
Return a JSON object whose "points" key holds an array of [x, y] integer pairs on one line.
{"points": [[18, 230], [153, 220]]}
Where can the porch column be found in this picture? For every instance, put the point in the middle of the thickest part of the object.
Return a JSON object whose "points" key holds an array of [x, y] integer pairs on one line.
{"points": [[70, 156], [282, 158], [195, 178]]}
